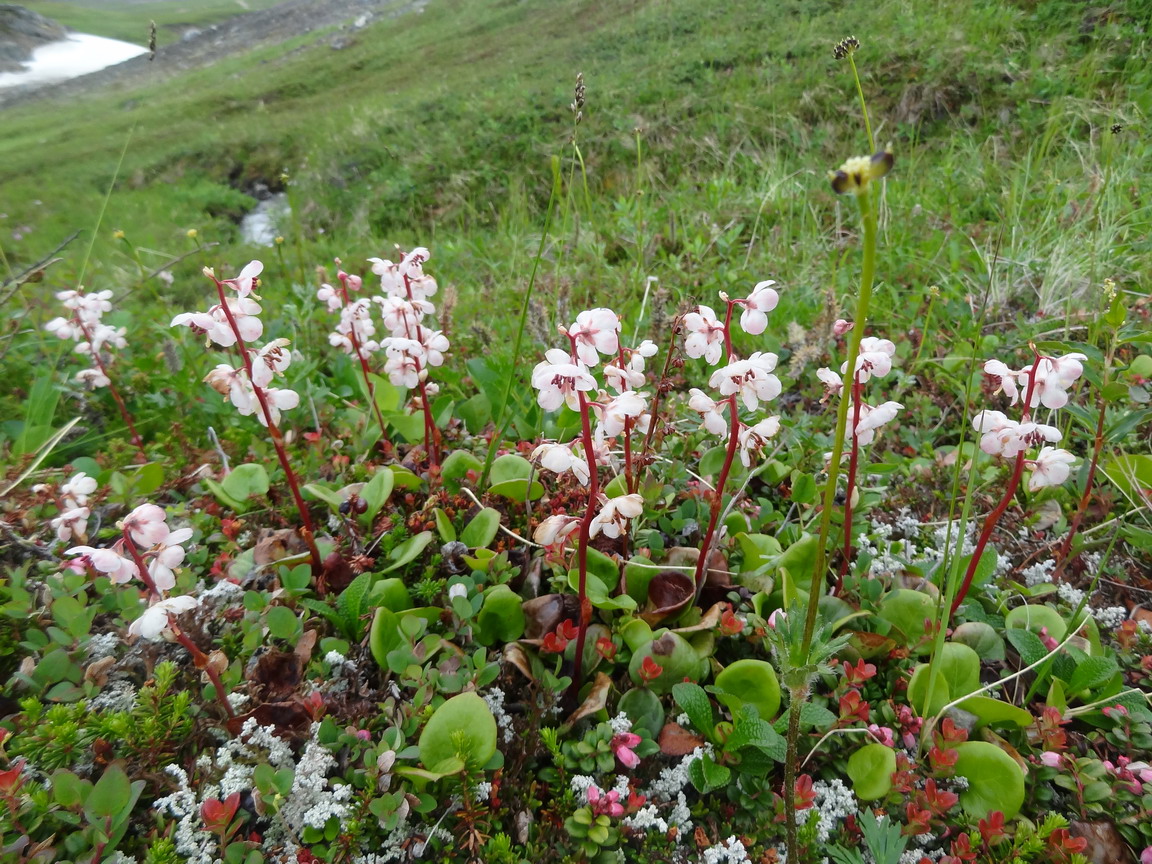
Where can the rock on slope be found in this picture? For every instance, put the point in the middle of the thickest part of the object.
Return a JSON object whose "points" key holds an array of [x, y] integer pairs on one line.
{"points": [[22, 31]]}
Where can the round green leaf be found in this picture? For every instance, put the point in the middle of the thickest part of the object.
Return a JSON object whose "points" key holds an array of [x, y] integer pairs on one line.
{"points": [[995, 781], [460, 733], [906, 610], [751, 682], [1034, 616], [870, 769]]}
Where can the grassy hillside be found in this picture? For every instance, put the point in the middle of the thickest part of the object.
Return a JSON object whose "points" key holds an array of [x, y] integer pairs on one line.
{"points": [[706, 137], [129, 20]]}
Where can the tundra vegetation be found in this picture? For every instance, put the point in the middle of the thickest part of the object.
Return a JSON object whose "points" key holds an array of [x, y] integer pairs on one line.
{"points": [[661, 432]]}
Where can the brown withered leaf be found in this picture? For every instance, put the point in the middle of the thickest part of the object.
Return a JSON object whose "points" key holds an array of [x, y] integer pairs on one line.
{"points": [[515, 654], [675, 740], [276, 543], [1105, 845], [97, 672], [669, 593], [709, 622], [596, 700], [543, 614], [304, 647], [288, 717], [275, 675]]}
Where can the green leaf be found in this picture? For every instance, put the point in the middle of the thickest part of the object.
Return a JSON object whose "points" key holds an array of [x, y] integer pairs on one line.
{"points": [[1091, 673], [476, 413], [995, 781], [995, 712], [109, 796], [350, 606], [410, 426], [461, 732], [444, 526], [322, 493], [694, 702], [456, 467], [407, 552], [282, 623], [1034, 617], [751, 682], [67, 788], [376, 491], [246, 480], [870, 769], [481, 530], [1027, 645], [749, 730]]}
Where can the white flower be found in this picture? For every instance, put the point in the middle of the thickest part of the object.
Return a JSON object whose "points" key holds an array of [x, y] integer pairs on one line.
{"points": [[248, 279], [871, 419], [93, 378], [875, 358], [331, 296], [1004, 378], [457, 590], [833, 383], [78, 488], [613, 413], [560, 458], [434, 344], [753, 438], [400, 313], [763, 299], [750, 378], [559, 381], [270, 360], [710, 411], [277, 400], [166, 557], [595, 332], [631, 375], [107, 561], [614, 515], [146, 525], [72, 521], [554, 529], [1054, 375], [705, 335], [1007, 438], [1050, 468], [154, 621]]}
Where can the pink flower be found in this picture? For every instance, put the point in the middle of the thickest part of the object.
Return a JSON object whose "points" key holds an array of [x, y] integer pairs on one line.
{"points": [[763, 299], [840, 327], [1146, 856], [146, 525], [874, 358], [882, 734], [751, 379], [1054, 375], [777, 617], [1050, 468], [622, 746], [833, 383], [605, 803], [154, 622], [595, 332], [1003, 377], [559, 381], [560, 458], [246, 282], [1051, 758], [705, 335], [1049, 643]]}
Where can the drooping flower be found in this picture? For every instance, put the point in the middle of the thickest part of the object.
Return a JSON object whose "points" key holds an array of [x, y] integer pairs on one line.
{"points": [[622, 746], [147, 525], [1003, 377], [613, 517], [871, 419], [561, 458], [555, 529], [595, 332], [1054, 375], [154, 621], [752, 379], [605, 803], [754, 438], [705, 335], [1051, 467], [874, 358], [270, 360], [612, 413], [710, 410], [559, 381], [833, 383], [247, 281], [110, 562], [762, 300], [166, 557]]}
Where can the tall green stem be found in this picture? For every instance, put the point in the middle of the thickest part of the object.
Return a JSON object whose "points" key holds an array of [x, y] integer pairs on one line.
{"points": [[863, 105]]}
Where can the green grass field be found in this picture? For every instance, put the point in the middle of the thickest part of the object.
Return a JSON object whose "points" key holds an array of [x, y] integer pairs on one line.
{"points": [[130, 20]]}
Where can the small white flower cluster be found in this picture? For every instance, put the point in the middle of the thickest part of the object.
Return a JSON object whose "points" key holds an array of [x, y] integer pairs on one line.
{"points": [[874, 359], [1038, 573], [73, 506], [1110, 617], [668, 788], [621, 724], [731, 851], [580, 783], [411, 348], [495, 699], [91, 335], [834, 802], [335, 659], [235, 320], [1069, 594], [310, 803]]}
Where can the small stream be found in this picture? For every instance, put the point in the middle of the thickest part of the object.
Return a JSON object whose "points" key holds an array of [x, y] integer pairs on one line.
{"points": [[266, 221], [79, 54]]}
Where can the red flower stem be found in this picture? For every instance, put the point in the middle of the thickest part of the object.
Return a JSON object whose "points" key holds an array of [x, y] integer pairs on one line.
{"points": [[125, 416], [1009, 493], [363, 363], [141, 567], [660, 387], [306, 530], [201, 661], [1082, 507], [733, 444], [582, 548], [718, 494], [853, 463]]}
